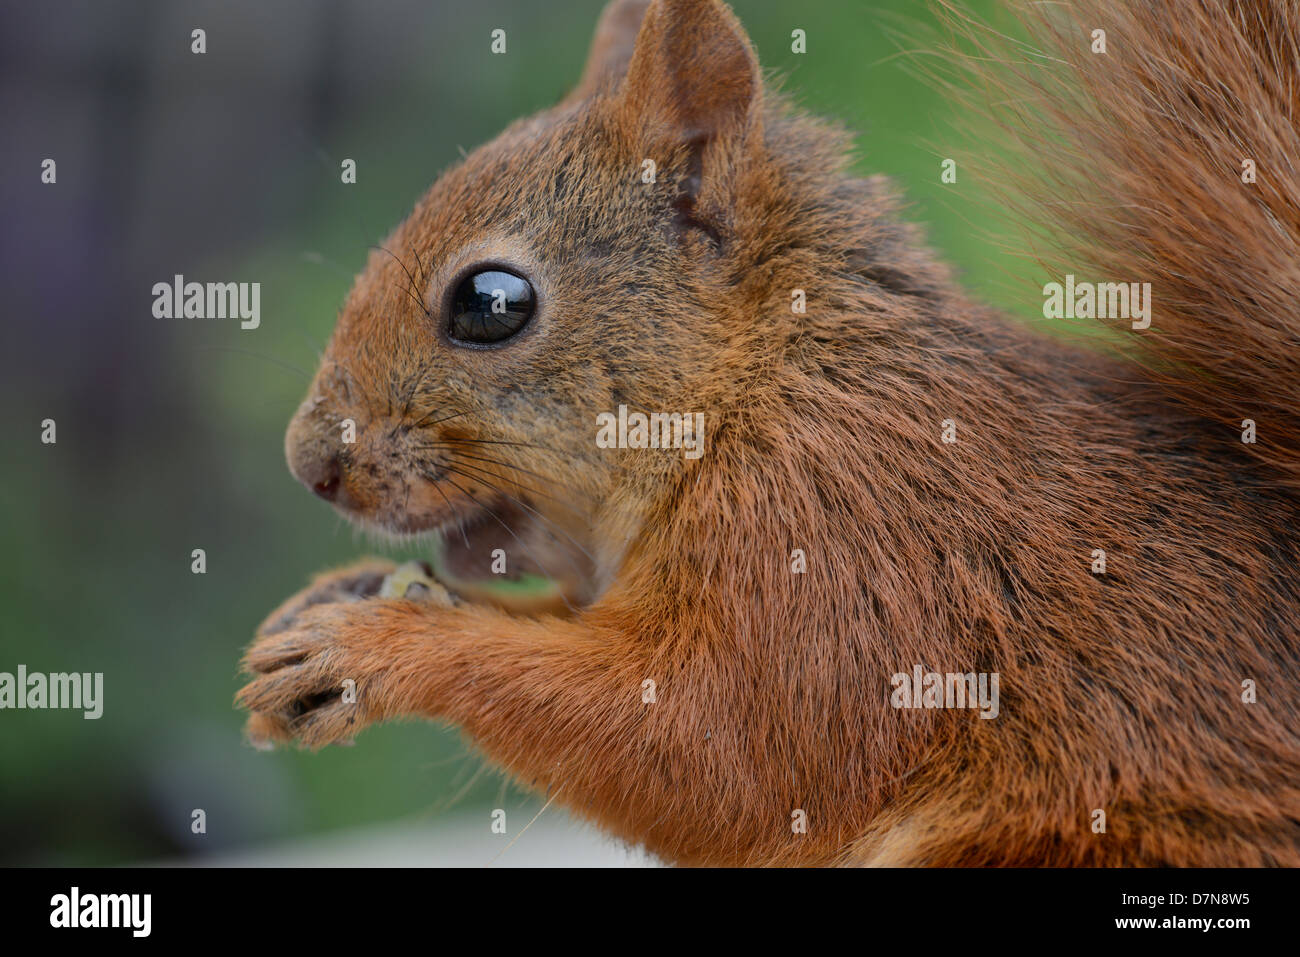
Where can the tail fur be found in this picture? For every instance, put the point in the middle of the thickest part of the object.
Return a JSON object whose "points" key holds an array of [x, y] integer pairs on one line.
{"points": [[1144, 157]]}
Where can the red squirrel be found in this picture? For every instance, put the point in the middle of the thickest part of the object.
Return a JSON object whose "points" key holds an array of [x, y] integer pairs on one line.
{"points": [[746, 656]]}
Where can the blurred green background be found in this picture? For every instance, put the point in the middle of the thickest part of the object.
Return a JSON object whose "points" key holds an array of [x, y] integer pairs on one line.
{"points": [[225, 167]]}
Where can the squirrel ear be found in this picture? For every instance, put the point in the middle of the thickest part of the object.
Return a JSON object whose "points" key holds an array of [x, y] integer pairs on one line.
{"points": [[692, 71], [611, 47]]}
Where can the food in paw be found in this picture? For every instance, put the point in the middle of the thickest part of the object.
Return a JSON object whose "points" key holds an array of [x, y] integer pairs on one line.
{"points": [[415, 580]]}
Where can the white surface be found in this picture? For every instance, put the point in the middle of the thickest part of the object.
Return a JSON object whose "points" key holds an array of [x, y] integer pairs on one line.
{"points": [[461, 840]]}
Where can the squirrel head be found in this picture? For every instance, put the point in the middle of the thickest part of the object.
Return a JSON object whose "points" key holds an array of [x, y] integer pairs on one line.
{"points": [[589, 257]]}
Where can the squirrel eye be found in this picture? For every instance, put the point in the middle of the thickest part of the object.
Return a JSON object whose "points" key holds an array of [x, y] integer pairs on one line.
{"points": [[490, 307]]}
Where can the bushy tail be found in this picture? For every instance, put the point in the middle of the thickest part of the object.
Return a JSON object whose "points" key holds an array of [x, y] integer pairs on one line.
{"points": [[1173, 157]]}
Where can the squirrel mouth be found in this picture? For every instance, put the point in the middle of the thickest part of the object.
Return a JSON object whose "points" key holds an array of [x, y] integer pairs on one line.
{"points": [[506, 553]]}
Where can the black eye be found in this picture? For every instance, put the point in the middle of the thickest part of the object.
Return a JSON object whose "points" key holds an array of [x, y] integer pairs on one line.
{"points": [[490, 306]]}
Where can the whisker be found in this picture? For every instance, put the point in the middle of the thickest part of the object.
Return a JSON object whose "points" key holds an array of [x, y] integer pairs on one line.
{"points": [[451, 509], [503, 524], [522, 488], [316, 259], [444, 447], [536, 514], [424, 276], [257, 355], [410, 281], [522, 445], [416, 382], [419, 302], [395, 259], [425, 420], [456, 797], [548, 803]]}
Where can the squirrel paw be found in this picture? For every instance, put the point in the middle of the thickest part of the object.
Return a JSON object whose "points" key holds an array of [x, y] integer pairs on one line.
{"points": [[321, 678], [360, 580]]}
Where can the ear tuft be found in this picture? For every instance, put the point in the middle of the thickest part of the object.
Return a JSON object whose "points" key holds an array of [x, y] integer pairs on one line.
{"points": [[693, 71], [611, 47]]}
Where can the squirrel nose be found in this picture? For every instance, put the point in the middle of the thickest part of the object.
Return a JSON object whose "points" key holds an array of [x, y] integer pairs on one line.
{"points": [[317, 467], [325, 482]]}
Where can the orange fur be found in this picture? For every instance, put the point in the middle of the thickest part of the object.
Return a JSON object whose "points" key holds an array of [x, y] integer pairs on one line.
{"points": [[1119, 691]]}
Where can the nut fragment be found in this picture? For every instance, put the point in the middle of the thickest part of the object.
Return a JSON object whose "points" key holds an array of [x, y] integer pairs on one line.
{"points": [[414, 580]]}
